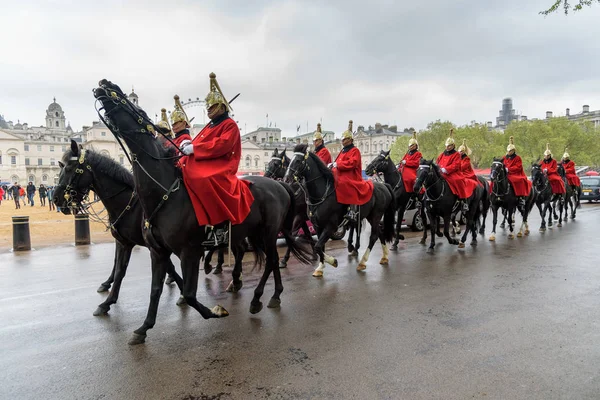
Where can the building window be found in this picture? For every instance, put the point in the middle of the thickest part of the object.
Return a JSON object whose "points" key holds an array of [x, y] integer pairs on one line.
{"points": [[26, 161], [26, 147], [52, 161], [57, 124], [103, 134], [0, 159], [256, 162], [66, 140], [121, 160], [31, 178], [254, 138], [14, 178], [262, 140], [39, 161], [39, 147], [248, 160], [266, 153], [51, 148], [56, 114], [13, 160], [44, 178]]}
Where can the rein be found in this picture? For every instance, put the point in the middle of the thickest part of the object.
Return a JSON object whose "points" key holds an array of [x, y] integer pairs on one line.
{"points": [[439, 178], [499, 181]]}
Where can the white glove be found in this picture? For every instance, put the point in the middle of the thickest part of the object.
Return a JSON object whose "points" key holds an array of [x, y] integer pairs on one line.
{"points": [[334, 165], [330, 165], [185, 143], [188, 149], [546, 170], [506, 169], [444, 171], [403, 161]]}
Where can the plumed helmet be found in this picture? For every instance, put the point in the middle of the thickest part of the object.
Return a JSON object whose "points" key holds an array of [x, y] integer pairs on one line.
{"points": [[450, 139], [547, 152], [511, 144], [348, 133], [566, 155], [413, 139], [318, 133], [464, 148], [179, 114], [163, 124], [215, 96]]}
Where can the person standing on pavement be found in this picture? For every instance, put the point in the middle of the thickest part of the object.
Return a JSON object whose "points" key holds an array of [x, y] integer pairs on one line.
{"points": [[43, 193], [22, 195], [15, 193], [31, 193]]}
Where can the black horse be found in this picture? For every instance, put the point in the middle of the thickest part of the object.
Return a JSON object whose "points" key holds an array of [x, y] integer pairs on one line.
{"points": [[573, 194], [82, 170], [441, 202], [327, 214], [383, 164], [503, 197], [276, 169], [544, 196], [173, 228]]}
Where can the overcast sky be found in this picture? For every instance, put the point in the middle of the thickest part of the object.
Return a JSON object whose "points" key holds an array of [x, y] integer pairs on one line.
{"points": [[394, 62]]}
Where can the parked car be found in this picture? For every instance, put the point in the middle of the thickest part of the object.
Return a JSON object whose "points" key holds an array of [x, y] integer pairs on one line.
{"points": [[590, 188]]}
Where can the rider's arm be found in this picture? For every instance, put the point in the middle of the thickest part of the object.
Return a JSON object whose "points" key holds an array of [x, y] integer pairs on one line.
{"points": [[413, 161], [516, 167], [349, 163], [220, 146], [454, 165]]}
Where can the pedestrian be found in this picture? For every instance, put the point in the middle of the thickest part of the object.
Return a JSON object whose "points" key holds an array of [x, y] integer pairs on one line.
{"points": [[5, 189], [22, 195], [31, 193], [15, 194], [1, 194], [50, 195], [43, 193]]}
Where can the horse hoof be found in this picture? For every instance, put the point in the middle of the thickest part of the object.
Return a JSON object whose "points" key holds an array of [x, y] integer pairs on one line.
{"points": [[354, 253], [461, 245], [208, 269], [401, 237], [482, 231], [282, 264], [361, 267], [559, 225], [384, 261], [439, 234], [422, 241], [169, 280], [492, 238], [474, 243], [350, 249], [137, 339], [103, 289], [430, 250], [542, 229], [233, 288], [255, 308], [511, 236], [527, 232], [218, 270], [100, 311], [394, 248], [454, 242], [181, 301], [335, 263], [317, 274], [274, 303], [219, 312], [519, 235], [502, 226]]}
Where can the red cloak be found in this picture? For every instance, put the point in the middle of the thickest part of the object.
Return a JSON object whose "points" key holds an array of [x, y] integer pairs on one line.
{"points": [[350, 186], [210, 175], [572, 178], [467, 169], [463, 188], [409, 170], [550, 167], [323, 153], [521, 185]]}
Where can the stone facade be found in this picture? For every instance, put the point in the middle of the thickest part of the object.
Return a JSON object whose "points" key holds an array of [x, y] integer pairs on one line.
{"points": [[372, 140]]}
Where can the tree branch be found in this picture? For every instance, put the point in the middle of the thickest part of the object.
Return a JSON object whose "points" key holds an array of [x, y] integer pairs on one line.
{"points": [[567, 6]]}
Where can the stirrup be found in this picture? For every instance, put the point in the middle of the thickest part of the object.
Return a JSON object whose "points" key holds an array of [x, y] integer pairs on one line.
{"points": [[465, 207], [216, 236]]}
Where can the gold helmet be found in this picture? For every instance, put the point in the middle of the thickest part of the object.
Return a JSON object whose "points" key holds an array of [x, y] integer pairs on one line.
{"points": [[413, 139], [348, 133], [566, 155], [547, 152], [179, 114], [464, 148], [450, 139], [215, 96], [163, 124], [511, 144], [318, 133]]}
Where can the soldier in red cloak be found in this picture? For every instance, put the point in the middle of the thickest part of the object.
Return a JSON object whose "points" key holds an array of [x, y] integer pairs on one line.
{"points": [[465, 163], [569, 166], [351, 189], [219, 198], [516, 175], [320, 150], [450, 165], [410, 163], [550, 168]]}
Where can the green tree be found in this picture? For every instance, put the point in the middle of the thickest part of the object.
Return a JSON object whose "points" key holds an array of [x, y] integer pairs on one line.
{"points": [[567, 6]]}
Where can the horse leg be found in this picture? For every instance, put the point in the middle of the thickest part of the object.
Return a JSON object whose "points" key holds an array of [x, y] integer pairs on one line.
{"points": [[207, 259], [275, 301], [494, 222], [399, 236], [549, 211], [351, 239], [424, 218], [511, 225], [236, 283], [319, 248], [105, 286], [433, 222], [503, 223], [447, 230], [123, 254], [372, 239], [220, 261], [172, 273], [256, 304], [561, 205]]}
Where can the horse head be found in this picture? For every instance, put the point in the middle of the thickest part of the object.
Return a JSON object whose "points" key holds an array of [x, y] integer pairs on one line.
{"points": [[379, 164], [278, 165], [538, 178], [298, 168], [74, 181], [427, 171], [497, 171]]}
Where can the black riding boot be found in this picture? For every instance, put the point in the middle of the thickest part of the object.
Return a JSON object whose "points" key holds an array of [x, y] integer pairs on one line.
{"points": [[217, 235], [465, 206]]}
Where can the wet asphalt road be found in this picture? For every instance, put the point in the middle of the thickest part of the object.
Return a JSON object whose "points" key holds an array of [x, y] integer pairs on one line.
{"points": [[508, 320]]}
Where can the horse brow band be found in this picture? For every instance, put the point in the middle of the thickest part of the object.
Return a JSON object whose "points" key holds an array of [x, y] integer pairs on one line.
{"points": [[424, 166], [275, 158], [299, 153], [74, 158]]}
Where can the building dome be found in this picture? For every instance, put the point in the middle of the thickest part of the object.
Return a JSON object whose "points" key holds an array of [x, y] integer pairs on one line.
{"points": [[54, 106]]}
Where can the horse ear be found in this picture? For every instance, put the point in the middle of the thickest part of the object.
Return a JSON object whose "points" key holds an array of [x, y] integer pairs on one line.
{"points": [[276, 153], [283, 152], [60, 164], [74, 148]]}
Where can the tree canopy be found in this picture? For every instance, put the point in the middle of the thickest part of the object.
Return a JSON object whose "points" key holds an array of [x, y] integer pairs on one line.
{"points": [[567, 6], [530, 137]]}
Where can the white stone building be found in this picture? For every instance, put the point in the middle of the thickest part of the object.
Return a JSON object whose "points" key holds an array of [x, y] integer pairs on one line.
{"points": [[374, 139]]}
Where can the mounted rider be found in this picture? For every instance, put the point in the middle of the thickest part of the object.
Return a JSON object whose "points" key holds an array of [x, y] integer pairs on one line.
{"points": [[465, 163], [163, 125], [351, 189], [320, 150], [219, 198], [450, 165], [550, 168], [410, 163], [569, 166], [516, 175]]}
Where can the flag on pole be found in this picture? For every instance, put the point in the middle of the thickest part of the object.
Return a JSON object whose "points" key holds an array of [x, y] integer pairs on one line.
{"points": [[267, 115], [297, 128]]}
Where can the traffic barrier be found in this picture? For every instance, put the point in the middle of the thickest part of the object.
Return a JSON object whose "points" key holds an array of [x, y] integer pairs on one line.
{"points": [[21, 236], [82, 229]]}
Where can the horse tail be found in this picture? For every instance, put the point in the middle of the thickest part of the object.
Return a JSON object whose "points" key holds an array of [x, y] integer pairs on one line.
{"points": [[485, 198], [389, 216], [578, 189], [300, 252]]}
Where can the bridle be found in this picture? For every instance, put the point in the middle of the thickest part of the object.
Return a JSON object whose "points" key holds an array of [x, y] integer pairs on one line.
{"points": [[495, 177], [297, 174], [280, 167], [430, 168], [538, 177]]}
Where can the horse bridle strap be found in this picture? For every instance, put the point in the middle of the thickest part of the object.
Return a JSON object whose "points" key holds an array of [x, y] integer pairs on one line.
{"points": [[499, 181], [174, 187]]}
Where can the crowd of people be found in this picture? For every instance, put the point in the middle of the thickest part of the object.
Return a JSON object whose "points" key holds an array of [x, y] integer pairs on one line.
{"points": [[27, 195]]}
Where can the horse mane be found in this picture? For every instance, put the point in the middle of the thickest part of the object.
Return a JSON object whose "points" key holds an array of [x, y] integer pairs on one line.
{"points": [[497, 159], [105, 164], [326, 172]]}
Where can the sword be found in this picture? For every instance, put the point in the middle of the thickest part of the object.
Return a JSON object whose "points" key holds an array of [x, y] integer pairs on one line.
{"points": [[234, 97]]}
